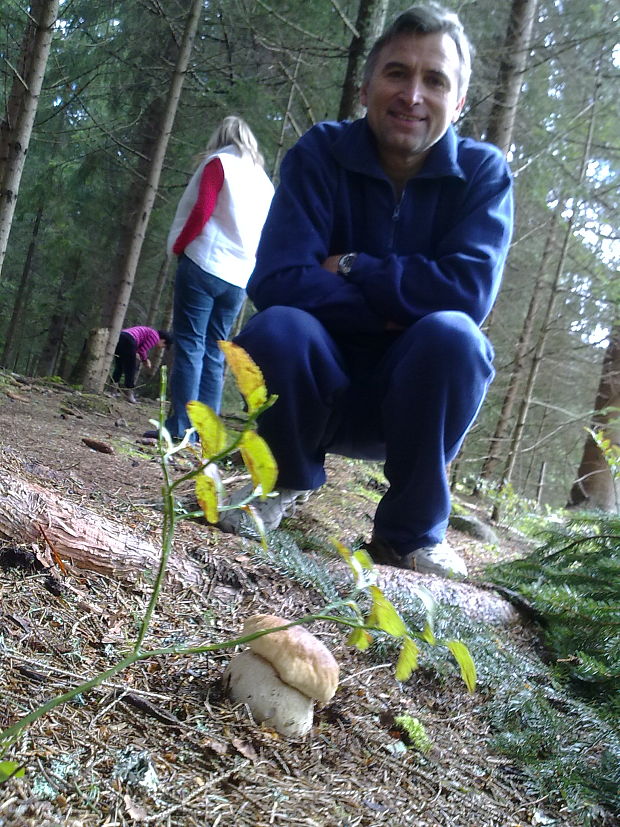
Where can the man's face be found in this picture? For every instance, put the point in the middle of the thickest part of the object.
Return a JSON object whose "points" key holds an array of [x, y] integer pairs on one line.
{"points": [[412, 97]]}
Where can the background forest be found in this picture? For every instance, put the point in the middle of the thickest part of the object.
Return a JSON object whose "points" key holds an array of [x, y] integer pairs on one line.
{"points": [[130, 93]]}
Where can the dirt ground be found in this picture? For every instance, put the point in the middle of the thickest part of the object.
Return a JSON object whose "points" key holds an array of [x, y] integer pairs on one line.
{"points": [[159, 743]]}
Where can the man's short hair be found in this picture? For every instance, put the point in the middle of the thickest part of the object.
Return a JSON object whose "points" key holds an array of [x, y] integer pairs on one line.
{"points": [[428, 19]]}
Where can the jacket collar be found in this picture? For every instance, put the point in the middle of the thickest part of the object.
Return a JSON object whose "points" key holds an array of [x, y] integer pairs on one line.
{"points": [[356, 150]]}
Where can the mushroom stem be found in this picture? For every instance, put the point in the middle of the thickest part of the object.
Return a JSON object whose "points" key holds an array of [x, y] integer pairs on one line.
{"points": [[250, 679]]}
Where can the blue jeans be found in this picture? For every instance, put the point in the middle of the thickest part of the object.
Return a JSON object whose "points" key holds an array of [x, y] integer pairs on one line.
{"points": [[407, 399], [205, 308]]}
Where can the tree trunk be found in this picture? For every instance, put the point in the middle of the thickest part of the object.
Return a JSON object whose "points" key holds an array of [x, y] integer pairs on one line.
{"points": [[540, 347], [156, 294], [19, 87], [96, 375], [49, 358], [15, 324], [526, 400], [524, 346], [510, 78], [368, 27], [81, 536], [91, 356], [595, 486], [44, 13]]}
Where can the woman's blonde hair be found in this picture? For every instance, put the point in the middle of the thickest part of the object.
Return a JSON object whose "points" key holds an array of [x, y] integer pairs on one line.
{"points": [[234, 131]]}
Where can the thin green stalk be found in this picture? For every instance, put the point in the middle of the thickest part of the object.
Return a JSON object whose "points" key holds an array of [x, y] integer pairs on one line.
{"points": [[167, 529], [10, 735]]}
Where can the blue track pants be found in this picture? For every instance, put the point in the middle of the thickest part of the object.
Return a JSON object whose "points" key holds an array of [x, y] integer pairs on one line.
{"points": [[405, 398]]}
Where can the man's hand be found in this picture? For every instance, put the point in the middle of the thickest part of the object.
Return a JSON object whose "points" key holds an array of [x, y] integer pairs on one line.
{"points": [[331, 263], [147, 364]]}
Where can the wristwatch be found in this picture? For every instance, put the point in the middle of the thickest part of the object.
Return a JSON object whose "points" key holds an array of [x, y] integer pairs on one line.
{"points": [[345, 263]]}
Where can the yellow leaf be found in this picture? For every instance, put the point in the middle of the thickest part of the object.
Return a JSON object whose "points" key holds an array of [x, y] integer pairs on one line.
{"points": [[385, 615], [211, 430], [372, 620], [428, 635], [407, 660], [247, 374], [465, 662], [206, 494], [360, 638], [342, 550], [259, 461], [364, 559]]}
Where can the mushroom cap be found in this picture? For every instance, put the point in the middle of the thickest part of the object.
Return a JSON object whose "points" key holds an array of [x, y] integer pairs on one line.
{"points": [[299, 658]]}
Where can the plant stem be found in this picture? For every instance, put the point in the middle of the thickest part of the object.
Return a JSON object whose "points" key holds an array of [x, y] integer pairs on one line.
{"points": [[167, 529], [12, 733]]}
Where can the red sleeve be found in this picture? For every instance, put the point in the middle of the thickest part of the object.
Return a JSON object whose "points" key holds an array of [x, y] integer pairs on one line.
{"points": [[211, 183]]}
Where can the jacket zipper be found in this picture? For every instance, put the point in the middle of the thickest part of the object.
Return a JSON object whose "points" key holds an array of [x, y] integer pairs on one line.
{"points": [[395, 217]]}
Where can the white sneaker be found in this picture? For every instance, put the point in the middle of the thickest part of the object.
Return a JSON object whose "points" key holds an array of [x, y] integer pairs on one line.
{"points": [[270, 511], [439, 559]]}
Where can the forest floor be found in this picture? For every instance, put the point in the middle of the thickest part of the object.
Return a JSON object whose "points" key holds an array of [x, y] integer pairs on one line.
{"points": [[159, 743]]}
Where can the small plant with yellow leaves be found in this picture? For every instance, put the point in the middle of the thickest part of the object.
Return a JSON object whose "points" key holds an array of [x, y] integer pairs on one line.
{"points": [[216, 443]]}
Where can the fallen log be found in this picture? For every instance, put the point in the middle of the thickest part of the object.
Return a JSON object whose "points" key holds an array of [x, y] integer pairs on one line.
{"points": [[81, 536]]}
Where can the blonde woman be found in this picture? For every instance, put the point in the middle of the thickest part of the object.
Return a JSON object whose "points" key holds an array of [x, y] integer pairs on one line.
{"points": [[215, 234]]}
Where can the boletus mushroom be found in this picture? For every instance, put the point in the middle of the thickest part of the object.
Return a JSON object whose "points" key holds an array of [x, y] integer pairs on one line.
{"points": [[281, 675]]}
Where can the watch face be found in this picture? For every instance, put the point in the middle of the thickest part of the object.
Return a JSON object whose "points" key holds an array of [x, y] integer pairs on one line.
{"points": [[346, 263]]}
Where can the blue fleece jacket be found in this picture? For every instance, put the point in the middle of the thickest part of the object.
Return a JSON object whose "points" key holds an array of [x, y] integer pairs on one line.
{"points": [[441, 247]]}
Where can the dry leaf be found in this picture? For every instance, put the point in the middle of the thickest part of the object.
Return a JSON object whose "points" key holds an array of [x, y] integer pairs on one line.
{"points": [[134, 811], [247, 750], [116, 633], [219, 747]]}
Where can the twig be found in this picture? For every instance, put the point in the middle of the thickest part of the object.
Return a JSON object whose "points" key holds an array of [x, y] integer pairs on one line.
{"points": [[55, 554]]}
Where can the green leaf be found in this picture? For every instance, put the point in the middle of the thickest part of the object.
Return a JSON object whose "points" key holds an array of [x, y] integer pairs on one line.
{"points": [[384, 614], [465, 662], [248, 375], [407, 659], [259, 461], [211, 430], [359, 562], [206, 494], [10, 769]]}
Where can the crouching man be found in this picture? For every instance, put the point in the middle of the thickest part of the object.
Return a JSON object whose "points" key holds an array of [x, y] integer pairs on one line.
{"points": [[381, 256]]}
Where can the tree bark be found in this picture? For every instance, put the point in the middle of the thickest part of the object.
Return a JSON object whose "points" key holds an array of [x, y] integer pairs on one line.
{"points": [[510, 77], [595, 486], [97, 373], [81, 536], [368, 26], [44, 13], [91, 356]]}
